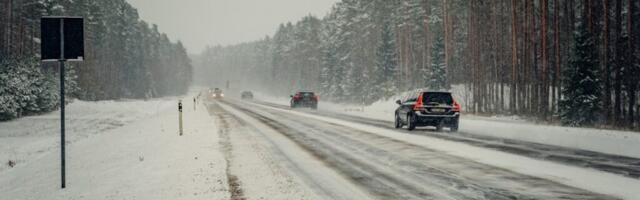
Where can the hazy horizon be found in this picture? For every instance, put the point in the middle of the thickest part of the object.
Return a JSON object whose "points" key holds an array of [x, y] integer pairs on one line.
{"points": [[201, 23]]}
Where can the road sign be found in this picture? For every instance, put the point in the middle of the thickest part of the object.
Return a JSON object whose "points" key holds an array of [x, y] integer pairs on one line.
{"points": [[62, 39]]}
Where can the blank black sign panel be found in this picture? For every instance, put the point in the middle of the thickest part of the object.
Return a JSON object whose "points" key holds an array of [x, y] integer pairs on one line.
{"points": [[73, 38], [50, 38]]}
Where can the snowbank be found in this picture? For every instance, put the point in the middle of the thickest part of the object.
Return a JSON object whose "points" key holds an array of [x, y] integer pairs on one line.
{"points": [[135, 154], [24, 139]]}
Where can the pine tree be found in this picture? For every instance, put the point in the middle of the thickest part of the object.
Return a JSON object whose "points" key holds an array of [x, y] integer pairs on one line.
{"points": [[387, 63], [580, 104], [437, 79], [329, 62], [25, 89]]}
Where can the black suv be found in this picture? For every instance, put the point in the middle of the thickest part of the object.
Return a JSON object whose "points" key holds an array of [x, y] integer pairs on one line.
{"points": [[304, 99], [437, 109]]}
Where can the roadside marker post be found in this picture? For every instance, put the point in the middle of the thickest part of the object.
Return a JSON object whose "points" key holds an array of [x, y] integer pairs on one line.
{"points": [[62, 39], [180, 116]]}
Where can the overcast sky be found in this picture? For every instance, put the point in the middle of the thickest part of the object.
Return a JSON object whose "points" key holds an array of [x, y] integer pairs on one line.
{"points": [[198, 23]]}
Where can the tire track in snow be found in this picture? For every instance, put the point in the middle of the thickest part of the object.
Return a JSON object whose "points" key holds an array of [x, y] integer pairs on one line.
{"points": [[235, 188]]}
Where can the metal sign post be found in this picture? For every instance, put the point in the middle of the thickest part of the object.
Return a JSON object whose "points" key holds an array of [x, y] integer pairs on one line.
{"points": [[58, 46], [62, 140]]}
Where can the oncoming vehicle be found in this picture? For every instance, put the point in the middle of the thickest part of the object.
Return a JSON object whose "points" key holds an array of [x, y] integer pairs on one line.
{"points": [[437, 109], [217, 93], [246, 95], [304, 99]]}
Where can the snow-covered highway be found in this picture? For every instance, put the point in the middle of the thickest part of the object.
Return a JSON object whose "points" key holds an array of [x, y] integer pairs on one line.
{"points": [[388, 164]]}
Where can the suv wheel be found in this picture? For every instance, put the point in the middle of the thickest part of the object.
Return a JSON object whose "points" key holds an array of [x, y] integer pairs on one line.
{"points": [[454, 127], [397, 121], [439, 126], [411, 123]]}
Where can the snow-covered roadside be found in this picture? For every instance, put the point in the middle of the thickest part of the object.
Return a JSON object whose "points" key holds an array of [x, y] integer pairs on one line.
{"points": [[588, 179], [25, 139], [145, 159], [624, 143]]}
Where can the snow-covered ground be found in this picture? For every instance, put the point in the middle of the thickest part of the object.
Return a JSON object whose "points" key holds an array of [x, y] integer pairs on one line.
{"points": [[131, 150], [24, 139], [115, 150]]}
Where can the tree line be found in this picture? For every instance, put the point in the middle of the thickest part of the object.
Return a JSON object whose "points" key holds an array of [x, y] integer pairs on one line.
{"points": [[125, 57], [572, 61]]}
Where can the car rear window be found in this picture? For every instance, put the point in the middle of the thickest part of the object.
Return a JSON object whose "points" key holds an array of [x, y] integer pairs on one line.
{"points": [[306, 94], [437, 97]]}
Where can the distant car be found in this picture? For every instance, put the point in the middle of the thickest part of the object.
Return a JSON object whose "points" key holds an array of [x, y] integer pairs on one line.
{"points": [[438, 109], [246, 95], [217, 93], [304, 99]]}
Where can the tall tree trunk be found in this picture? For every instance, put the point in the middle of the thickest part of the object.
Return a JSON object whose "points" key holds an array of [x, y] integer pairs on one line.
{"points": [[618, 68], [447, 39], [20, 37], [534, 96], [427, 35], [527, 56], [475, 57], [633, 74], [514, 58], [503, 55], [556, 38], [9, 28], [606, 70], [545, 60], [3, 26], [522, 81]]}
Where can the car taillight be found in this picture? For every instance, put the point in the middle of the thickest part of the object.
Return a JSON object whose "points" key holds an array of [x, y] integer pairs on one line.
{"points": [[317, 97], [456, 106], [418, 105]]}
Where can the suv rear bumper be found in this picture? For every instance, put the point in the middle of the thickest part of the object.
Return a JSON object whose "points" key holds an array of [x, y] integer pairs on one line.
{"points": [[434, 120], [304, 103]]}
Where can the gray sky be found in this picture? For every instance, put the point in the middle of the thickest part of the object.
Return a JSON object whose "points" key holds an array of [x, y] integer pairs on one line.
{"points": [[198, 23]]}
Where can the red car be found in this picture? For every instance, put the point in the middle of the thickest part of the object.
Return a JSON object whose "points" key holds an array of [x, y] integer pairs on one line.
{"points": [[304, 99]]}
